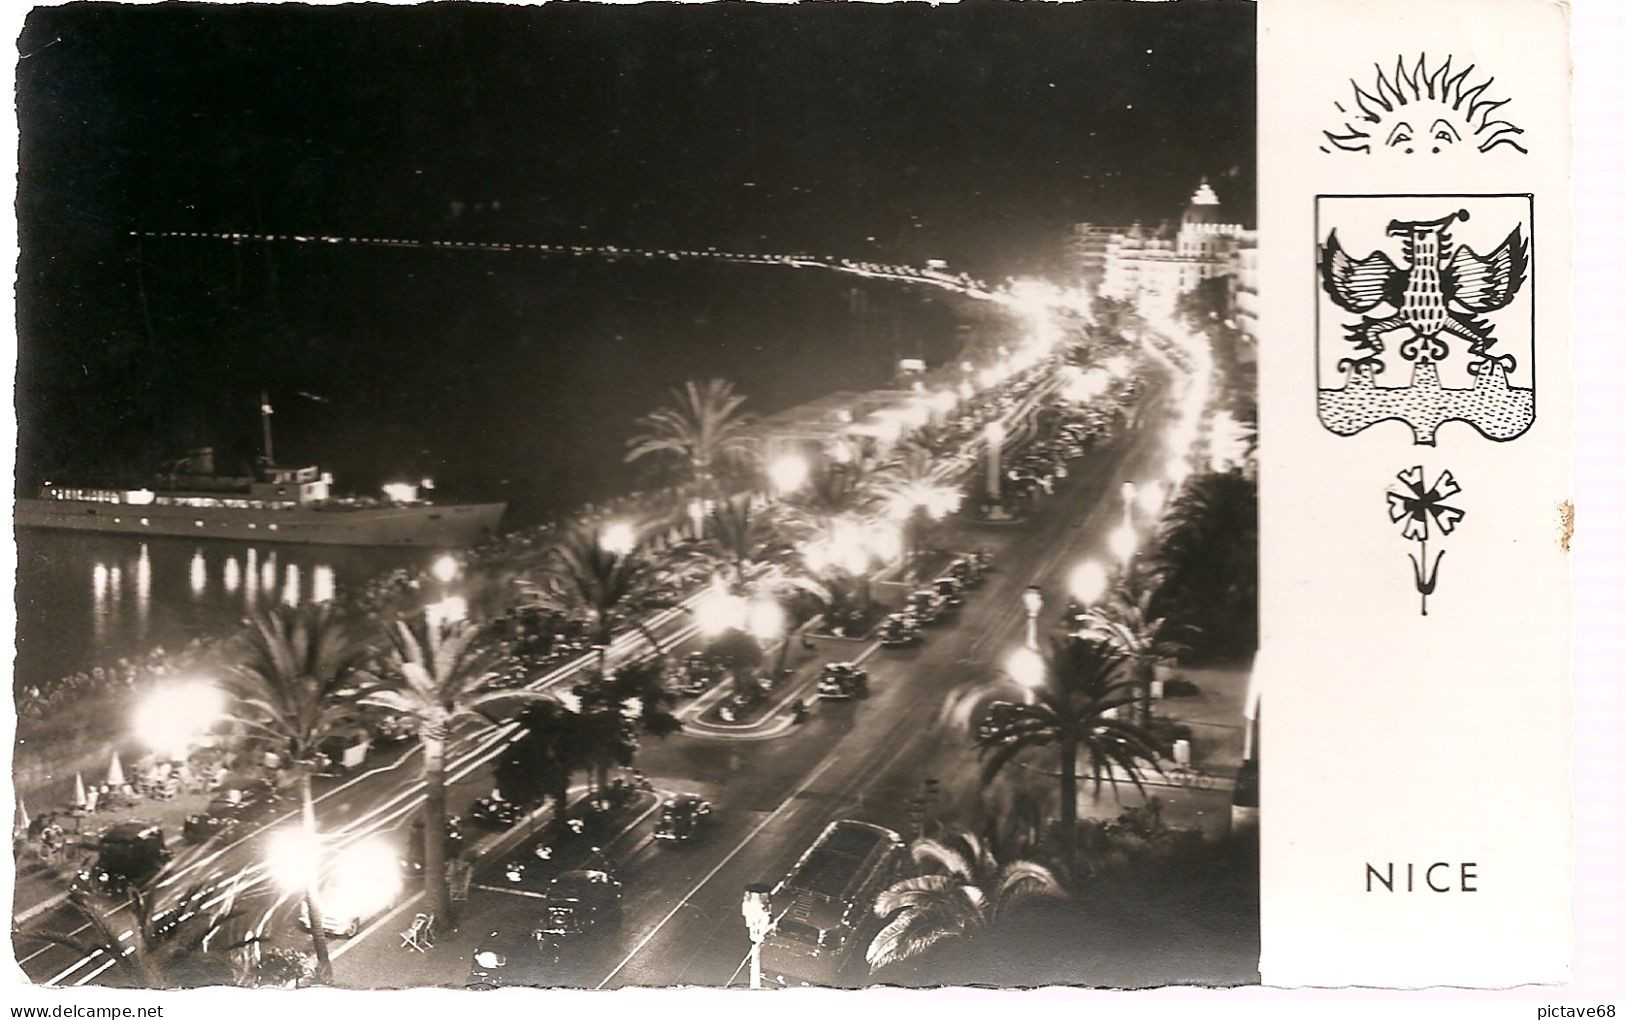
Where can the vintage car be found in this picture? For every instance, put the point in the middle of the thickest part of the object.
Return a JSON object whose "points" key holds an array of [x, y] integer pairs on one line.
{"points": [[840, 680], [682, 818], [581, 902]]}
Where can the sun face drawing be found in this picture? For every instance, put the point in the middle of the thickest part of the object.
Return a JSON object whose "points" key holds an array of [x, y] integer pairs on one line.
{"points": [[1413, 111]]}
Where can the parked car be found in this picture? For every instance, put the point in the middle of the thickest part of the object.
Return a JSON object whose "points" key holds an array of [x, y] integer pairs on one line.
{"points": [[840, 680], [222, 815], [950, 591], [697, 673], [580, 903], [513, 957], [495, 814], [128, 856], [899, 630], [682, 817], [926, 605], [966, 572], [393, 728], [999, 714]]}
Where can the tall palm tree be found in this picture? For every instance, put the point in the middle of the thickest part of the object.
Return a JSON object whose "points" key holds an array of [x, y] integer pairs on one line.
{"points": [[1207, 562], [554, 744], [702, 433], [915, 487], [1126, 620], [963, 888], [438, 675], [611, 590], [300, 681], [1075, 709], [184, 945]]}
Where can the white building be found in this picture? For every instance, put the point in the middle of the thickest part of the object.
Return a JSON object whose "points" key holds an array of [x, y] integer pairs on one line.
{"points": [[1154, 267]]}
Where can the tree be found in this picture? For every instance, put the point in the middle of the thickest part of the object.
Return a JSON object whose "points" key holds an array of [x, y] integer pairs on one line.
{"points": [[962, 890], [916, 487], [554, 744], [616, 708], [438, 675], [701, 434], [1207, 562], [299, 682], [1075, 709], [186, 945], [1125, 619], [611, 590]]}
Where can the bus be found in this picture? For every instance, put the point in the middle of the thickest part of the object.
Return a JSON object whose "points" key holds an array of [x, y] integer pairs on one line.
{"points": [[823, 907]]}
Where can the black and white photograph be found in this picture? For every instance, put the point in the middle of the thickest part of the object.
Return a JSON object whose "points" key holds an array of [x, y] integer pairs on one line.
{"points": [[593, 496]]}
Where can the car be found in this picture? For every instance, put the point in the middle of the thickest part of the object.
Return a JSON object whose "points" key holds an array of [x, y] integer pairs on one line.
{"points": [[899, 630], [222, 815], [999, 714], [581, 902], [393, 729], [682, 817], [697, 673], [494, 813], [129, 855], [840, 680], [950, 591], [513, 956], [926, 605], [966, 572]]}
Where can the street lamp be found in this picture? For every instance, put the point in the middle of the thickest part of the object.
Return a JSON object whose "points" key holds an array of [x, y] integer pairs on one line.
{"points": [[445, 568], [764, 618], [1123, 543], [1026, 668], [994, 433], [757, 907], [718, 610], [174, 717], [1128, 504], [788, 473], [1087, 583], [1033, 600], [618, 537]]}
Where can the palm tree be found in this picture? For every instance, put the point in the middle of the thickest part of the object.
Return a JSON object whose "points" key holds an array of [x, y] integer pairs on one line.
{"points": [[840, 500], [1126, 620], [554, 744], [299, 683], [1075, 710], [605, 702], [702, 432], [610, 589], [962, 890], [1207, 562], [152, 947], [437, 676], [916, 487]]}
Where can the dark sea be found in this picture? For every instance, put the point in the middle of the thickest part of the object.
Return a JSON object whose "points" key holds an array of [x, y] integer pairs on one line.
{"points": [[501, 376]]}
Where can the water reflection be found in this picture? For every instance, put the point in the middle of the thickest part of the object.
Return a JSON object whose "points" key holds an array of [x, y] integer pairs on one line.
{"points": [[92, 599]]}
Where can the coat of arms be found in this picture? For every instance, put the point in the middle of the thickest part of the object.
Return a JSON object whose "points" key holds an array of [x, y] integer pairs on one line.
{"points": [[1426, 313]]}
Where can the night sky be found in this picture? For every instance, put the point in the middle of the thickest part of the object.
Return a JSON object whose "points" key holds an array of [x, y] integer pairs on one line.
{"points": [[891, 131]]}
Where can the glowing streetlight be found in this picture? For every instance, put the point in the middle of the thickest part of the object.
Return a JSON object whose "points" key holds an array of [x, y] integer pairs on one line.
{"points": [[293, 856], [885, 541], [718, 610], [1123, 543], [1151, 498], [788, 473], [174, 717], [618, 537], [445, 568], [1026, 668], [1033, 601], [449, 610], [1087, 583], [994, 433], [757, 908], [764, 619]]}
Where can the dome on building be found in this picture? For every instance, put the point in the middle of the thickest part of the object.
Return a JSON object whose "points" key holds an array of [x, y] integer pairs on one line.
{"points": [[1204, 206]]}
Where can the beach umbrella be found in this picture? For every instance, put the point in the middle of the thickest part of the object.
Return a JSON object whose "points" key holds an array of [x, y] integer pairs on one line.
{"points": [[115, 772], [78, 790]]}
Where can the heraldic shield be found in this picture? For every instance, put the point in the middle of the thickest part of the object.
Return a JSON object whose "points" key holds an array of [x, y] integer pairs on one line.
{"points": [[1425, 313]]}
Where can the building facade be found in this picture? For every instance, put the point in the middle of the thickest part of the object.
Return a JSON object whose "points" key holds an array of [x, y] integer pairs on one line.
{"points": [[1153, 267]]}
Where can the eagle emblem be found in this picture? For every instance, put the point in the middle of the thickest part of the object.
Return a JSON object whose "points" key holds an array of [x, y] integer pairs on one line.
{"points": [[1430, 302], [1438, 299]]}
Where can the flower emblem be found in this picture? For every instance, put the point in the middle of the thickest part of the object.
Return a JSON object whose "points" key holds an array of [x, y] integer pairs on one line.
{"points": [[1424, 504]]}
